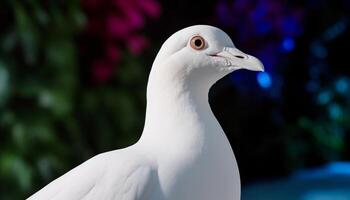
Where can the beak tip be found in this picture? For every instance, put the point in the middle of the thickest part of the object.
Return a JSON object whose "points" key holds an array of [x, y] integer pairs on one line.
{"points": [[260, 67]]}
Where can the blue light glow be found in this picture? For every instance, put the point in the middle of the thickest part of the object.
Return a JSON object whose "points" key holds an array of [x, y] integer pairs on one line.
{"points": [[288, 44], [342, 168], [334, 31], [342, 85], [332, 169], [264, 79], [335, 111], [324, 97]]}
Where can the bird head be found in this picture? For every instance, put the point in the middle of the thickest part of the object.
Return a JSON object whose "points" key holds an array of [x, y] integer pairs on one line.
{"points": [[202, 53]]}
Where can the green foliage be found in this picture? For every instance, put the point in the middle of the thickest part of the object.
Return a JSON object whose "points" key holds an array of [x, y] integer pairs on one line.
{"points": [[323, 137], [50, 120]]}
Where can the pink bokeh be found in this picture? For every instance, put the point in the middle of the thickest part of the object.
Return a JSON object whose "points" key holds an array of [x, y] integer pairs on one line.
{"points": [[117, 24]]}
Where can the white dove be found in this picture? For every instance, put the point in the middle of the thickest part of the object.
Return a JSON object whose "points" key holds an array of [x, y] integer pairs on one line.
{"points": [[183, 153]]}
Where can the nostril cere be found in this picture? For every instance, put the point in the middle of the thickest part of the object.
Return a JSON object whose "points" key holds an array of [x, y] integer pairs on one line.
{"points": [[238, 56]]}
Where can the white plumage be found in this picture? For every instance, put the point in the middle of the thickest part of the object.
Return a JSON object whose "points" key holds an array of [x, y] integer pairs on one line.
{"points": [[183, 153]]}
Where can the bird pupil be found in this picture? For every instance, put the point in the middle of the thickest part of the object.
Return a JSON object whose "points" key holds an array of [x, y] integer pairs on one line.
{"points": [[198, 42]]}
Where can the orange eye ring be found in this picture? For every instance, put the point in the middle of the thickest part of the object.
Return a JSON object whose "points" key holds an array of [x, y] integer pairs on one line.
{"points": [[197, 43]]}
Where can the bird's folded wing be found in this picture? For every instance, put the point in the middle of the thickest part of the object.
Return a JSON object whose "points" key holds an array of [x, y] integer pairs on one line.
{"points": [[102, 178], [76, 182]]}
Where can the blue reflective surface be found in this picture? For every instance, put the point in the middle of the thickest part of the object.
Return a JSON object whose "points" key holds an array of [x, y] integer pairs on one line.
{"points": [[330, 182]]}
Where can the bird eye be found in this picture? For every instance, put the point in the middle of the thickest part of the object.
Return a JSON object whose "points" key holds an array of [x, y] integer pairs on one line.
{"points": [[197, 42]]}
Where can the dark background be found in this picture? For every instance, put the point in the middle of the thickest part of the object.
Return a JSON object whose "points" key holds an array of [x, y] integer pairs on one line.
{"points": [[73, 77]]}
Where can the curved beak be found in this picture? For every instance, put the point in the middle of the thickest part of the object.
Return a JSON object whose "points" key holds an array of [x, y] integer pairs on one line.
{"points": [[239, 60]]}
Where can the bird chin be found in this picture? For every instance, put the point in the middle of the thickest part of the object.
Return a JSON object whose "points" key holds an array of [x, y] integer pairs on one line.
{"points": [[228, 69]]}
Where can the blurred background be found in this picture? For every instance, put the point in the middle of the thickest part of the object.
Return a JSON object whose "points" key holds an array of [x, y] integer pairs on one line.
{"points": [[73, 77]]}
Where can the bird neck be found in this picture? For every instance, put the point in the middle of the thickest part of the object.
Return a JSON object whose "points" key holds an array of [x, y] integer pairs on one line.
{"points": [[177, 107]]}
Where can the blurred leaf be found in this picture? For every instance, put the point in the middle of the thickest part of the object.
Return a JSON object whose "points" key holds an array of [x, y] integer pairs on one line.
{"points": [[41, 15], [62, 103], [9, 41], [60, 54], [14, 166], [4, 84], [47, 165], [18, 134], [27, 33], [7, 118], [76, 14]]}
